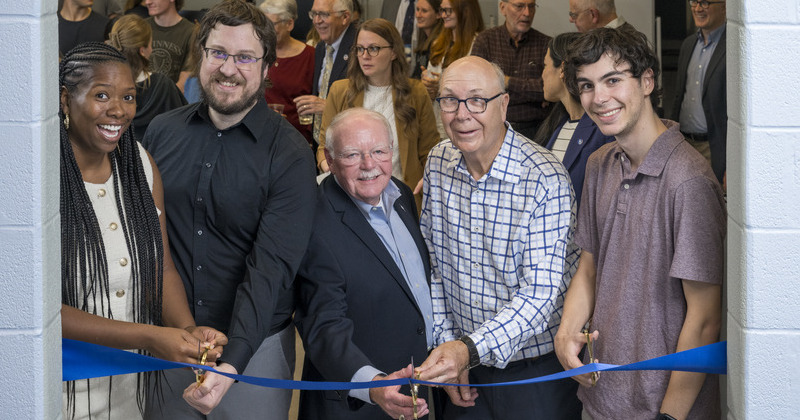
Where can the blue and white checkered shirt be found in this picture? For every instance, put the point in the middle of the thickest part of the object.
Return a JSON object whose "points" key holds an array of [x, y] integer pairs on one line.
{"points": [[501, 248]]}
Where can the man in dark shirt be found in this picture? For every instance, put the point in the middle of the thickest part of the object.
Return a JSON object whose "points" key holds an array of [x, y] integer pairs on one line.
{"points": [[240, 182], [77, 23], [519, 50]]}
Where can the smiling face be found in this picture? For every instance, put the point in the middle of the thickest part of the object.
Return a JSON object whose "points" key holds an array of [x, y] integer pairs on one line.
{"points": [[378, 69], [449, 22], [614, 99], [518, 22], [230, 88], [331, 28], [426, 16], [478, 135], [366, 180], [709, 19], [101, 108]]}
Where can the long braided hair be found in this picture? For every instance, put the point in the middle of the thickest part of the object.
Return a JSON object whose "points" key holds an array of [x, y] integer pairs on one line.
{"points": [[84, 267]]}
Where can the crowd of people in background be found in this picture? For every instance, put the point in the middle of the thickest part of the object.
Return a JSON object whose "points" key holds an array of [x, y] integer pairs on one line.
{"points": [[489, 204]]}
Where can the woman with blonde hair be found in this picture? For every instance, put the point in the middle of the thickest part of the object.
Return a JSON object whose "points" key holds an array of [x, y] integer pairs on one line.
{"points": [[378, 80], [155, 92]]}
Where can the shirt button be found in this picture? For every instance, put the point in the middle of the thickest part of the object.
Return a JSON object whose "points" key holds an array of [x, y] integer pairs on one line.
{"points": [[627, 186], [420, 331], [101, 192], [112, 226], [219, 133], [123, 262], [200, 302], [120, 293], [208, 164], [476, 303], [199, 199], [199, 232], [475, 265], [580, 142], [199, 267]]}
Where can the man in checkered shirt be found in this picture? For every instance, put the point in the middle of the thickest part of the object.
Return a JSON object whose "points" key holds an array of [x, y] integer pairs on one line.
{"points": [[498, 220]]}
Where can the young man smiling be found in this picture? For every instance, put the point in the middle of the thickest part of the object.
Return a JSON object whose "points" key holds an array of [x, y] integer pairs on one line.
{"points": [[241, 184], [651, 228]]}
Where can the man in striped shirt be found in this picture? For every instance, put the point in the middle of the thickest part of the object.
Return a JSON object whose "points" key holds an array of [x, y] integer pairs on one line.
{"points": [[498, 220]]}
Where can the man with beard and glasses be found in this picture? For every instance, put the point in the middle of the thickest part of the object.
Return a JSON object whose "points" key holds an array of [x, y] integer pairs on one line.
{"points": [[240, 182]]}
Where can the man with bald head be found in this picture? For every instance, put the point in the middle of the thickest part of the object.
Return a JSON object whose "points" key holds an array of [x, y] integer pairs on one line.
{"points": [[497, 217], [591, 14]]}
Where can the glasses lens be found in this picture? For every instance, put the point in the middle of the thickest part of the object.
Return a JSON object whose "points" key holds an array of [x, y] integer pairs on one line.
{"points": [[476, 105]]}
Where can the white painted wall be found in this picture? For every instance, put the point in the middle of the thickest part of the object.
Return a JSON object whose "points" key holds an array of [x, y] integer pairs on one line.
{"points": [[30, 326], [764, 209]]}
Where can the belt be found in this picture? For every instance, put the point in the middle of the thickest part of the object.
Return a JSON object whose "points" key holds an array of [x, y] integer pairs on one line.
{"points": [[696, 136]]}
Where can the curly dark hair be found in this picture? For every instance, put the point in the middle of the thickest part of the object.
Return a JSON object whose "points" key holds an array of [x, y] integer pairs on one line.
{"points": [[625, 45], [84, 267]]}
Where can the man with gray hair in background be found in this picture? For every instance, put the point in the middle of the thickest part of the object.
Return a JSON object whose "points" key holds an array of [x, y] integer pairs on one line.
{"points": [[592, 14]]}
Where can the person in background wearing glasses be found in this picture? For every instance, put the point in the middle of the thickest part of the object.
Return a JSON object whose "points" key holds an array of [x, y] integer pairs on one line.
{"points": [[591, 14], [240, 182], [364, 285], [293, 72], [651, 228], [701, 99], [332, 20], [497, 216], [378, 80], [519, 50]]}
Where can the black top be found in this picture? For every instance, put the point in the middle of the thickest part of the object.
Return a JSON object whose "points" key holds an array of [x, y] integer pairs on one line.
{"points": [[72, 33], [155, 96], [239, 207]]}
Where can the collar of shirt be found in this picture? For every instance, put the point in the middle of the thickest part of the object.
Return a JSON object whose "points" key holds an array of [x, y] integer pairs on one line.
{"points": [[253, 121], [506, 166], [713, 37], [522, 39], [389, 195], [616, 23], [338, 42], [656, 158]]}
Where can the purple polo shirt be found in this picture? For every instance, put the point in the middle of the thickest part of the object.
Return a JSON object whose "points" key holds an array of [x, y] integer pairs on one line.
{"points": [[647, 230]]}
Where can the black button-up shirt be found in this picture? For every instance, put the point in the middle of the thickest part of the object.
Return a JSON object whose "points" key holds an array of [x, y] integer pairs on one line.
{"points": [[239, 206]]}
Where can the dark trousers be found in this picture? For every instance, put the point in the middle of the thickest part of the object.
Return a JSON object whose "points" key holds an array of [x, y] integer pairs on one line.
{"points": [[547, 400]]}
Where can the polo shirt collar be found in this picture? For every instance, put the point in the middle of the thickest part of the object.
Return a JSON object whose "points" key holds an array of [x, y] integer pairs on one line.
{"points": [[659, 153]]}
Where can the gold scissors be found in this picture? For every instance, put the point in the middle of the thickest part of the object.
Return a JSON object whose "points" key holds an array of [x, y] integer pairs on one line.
{"points": [[414, 390], [588, 336], [202, 355]]}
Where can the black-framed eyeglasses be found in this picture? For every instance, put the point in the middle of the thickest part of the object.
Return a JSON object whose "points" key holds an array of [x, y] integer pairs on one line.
{"points": [[446, 11], [322, 15], [574, 15], [372, 50], [353, 157], [703, 3], [219, 57], [475, 105], [519, 7]]}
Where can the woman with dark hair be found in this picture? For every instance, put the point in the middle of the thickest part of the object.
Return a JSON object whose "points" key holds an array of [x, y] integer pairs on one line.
{"points": [[378, 80], [568, 131], [155, 92], [429, 25], [462, 21], [119, 285]]}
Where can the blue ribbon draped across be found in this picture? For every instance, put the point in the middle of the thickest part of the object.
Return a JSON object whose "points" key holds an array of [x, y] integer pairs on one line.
{"points": [[84, 360]]}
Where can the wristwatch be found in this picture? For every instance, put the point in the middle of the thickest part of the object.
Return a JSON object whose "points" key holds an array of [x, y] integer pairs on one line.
{"points": [[474, 358], [664, 416]]}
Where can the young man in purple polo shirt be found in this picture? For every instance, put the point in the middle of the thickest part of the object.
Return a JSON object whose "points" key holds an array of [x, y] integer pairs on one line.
{"points": [[652, 229]]}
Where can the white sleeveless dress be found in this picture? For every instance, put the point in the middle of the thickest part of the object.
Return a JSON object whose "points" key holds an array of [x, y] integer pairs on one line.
{"points": [[92, 395]]}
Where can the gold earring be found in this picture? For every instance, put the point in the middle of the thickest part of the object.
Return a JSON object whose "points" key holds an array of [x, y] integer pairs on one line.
{"points": [[66, 121]]}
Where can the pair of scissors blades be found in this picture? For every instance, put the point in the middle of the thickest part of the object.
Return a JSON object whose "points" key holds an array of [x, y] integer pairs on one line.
{"points": [[202, 355], [588, 336], [414, 390]]}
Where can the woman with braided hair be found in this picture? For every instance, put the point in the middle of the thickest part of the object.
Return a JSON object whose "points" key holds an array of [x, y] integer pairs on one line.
{"points": [[119, 285]]}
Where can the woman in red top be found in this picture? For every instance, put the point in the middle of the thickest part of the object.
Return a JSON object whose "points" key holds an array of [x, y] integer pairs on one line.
{"points": [[292, 74]]}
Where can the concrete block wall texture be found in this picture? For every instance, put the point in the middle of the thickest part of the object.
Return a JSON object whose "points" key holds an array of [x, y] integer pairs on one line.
{"points": [[30, 325], [764, 202]]}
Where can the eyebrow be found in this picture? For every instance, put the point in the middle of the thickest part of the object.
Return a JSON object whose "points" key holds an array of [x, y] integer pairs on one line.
{"points": [[240, 52], [605, 76]]}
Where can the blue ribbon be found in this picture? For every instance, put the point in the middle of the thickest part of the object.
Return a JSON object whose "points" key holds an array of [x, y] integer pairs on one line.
{"points": [[82, 360]]}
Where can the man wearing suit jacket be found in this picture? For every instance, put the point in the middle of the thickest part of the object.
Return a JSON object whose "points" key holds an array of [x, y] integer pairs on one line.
{"points": [[700, 103], [365, 306], [332, 20]]}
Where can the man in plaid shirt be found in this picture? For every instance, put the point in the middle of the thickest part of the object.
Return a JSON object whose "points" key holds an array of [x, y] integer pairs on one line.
{"points": [[498, 220]]}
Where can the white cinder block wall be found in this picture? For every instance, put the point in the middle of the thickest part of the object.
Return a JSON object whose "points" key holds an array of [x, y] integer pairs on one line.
{"points": [[764, 209], [30, 327]]}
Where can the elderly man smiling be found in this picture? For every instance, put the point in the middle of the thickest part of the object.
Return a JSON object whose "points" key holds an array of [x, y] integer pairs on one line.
{"points": [[498, 219]]}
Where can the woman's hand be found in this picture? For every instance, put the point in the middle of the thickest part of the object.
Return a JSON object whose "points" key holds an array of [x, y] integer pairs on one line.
{"points": [[178, 345]]}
